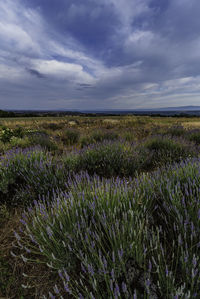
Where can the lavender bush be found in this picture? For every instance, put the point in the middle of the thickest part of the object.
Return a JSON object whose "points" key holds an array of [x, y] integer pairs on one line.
{"points": [[166, 149], [27, 173], [124, 159], [117, 238], [194, 136], [109, 158]]}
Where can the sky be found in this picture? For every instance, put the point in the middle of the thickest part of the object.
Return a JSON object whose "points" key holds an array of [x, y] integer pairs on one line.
{"points": [[99, 54]]}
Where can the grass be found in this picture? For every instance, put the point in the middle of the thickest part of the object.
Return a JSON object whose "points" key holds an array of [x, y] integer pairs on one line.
{"points": [[116, 215]]}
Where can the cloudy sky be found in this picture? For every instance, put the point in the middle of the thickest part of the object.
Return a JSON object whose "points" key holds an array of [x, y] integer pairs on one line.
{"points": [[99, 54]]}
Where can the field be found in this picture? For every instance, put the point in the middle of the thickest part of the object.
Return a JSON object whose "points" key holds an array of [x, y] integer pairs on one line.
{"points": [[100, 207]]}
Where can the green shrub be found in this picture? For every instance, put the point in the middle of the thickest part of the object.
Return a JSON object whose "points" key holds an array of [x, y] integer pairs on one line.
{"points": [[18, 132], [26, 174], [111, 234], [129, 136], [109, 158], [195, 137], [176, 131], [70, 136], [6, 134], [53, 126], [3, 147], [71, 162], [11, 165], [20, 142], [99, 136], [44, 141], [165, 150], [84, 141]]}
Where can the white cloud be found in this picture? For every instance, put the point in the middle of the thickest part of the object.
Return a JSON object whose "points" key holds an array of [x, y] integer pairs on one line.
{"points": [[63, 70], [19, 28], [17, 38], [140, 38]]}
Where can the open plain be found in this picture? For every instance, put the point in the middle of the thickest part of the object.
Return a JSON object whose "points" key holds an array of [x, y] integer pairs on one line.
{"points": [[100, 207]]}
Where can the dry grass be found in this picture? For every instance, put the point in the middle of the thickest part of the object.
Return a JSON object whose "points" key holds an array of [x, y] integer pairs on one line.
{"points": [[12, 269], [9, 268], [194, 124]]}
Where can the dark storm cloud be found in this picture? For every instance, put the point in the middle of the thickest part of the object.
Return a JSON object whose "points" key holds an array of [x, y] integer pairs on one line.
{"points": [[99, 53]]}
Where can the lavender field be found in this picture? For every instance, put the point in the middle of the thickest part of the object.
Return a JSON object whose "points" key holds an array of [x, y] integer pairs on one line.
{"points": [[100, 208]]}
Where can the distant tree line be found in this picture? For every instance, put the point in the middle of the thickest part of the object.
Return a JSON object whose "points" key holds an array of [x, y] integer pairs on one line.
{"points": [[6, 114], [24, 113]]}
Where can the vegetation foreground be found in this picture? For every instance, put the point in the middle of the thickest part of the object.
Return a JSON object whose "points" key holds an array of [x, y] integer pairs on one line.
{"points": [[106, 209]]}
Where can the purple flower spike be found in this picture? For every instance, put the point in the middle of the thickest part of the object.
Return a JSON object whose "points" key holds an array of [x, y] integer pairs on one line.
{"points": [[51, 296], [56, 289], [112, 274], [120, 253], [17, 236], [135, 295], [124, 287], [116, 291], [90, 270], [150, 266], [66, 287]]}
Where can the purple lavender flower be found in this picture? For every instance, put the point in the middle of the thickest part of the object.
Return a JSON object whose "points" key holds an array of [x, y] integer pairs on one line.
{"points": [[67, 289], [112, 274], [150, 266], [56, 290], [111, 285], [124, 287], [90, 270], [49, 231], [116, 291], [17, 236], [51, 296]]}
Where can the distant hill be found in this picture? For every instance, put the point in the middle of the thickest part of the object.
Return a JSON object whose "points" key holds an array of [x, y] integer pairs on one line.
{"points": [[180, 108]]}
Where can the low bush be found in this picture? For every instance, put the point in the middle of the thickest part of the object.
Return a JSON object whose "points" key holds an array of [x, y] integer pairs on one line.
{"points": [[18, 132], [99, 136], [6, 134], [166, 150], [36, 133], [84, 141], [70, 136], [194, 136], [110, 158], [53, 126], [113, 238], [176, 131], [43, 140], [3, 147], [129, 136], [20, 142], [11, 165], [121, 158], [26, 174]]}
